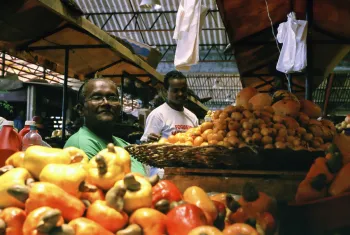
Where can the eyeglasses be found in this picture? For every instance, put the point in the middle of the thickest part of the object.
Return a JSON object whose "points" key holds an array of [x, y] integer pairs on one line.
{"points": [[100, 98]]}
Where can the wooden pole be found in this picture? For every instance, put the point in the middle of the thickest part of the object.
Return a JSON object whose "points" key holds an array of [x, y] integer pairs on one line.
{"points": [[309, 70], [65, 87], [3, 65], [328, 93]]}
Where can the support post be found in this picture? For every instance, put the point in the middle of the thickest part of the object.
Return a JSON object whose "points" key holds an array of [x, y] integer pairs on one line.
{"points": [[328, 93], [122, 97], [290, 83], [64, 101], [309, 69], [3, 65], [31, 102]]}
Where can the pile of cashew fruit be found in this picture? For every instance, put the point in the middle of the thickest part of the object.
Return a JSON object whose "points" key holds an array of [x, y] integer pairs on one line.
{"points": [[60, 192]]}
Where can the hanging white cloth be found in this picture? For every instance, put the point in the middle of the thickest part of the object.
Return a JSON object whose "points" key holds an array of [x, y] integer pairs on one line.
{"points": [[293, 35], [189, 20]]}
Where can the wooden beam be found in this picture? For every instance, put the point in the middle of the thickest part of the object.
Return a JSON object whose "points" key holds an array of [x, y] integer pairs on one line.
{"points": [[310, 62], [58, 8]]}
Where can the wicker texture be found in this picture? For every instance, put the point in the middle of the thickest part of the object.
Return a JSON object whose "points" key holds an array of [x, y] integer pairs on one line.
{"points": [[220, 157], [167, 155]]}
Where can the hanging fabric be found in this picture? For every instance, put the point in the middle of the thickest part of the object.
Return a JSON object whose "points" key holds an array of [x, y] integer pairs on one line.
{"points": [[293, 35], [189, 20]]}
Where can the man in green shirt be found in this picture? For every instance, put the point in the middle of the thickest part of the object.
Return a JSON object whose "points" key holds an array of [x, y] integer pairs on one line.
{"points": [[100, 107]]}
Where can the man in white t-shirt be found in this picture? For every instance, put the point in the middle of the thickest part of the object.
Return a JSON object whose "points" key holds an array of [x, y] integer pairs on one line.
{"points": [[171, 117]]}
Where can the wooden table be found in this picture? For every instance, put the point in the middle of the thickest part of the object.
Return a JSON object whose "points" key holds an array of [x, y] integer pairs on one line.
{"points": [[278, 184]]}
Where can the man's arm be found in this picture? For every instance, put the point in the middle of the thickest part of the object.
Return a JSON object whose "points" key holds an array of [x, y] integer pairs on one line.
{"points": [[196, 122], [153, 128]]}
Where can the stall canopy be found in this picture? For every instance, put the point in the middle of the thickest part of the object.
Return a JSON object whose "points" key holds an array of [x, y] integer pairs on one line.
{"points": [[250, 23], [54, 35]]}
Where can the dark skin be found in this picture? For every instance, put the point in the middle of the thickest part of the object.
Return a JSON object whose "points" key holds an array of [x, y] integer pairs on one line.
{"points": [[100, 117], [176, 99]]}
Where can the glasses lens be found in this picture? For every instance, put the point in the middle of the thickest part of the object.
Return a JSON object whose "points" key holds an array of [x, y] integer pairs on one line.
{"points": [[113, 98], [96, 98], [99, 99]]}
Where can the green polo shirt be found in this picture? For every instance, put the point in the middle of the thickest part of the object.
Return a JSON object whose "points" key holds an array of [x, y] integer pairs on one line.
{"points": [[86, 140]]}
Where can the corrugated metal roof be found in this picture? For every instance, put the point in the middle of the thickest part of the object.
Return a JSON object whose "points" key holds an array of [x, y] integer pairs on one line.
{"points": [[27, 71], [151, 27], [339, 99], [221, 87]]}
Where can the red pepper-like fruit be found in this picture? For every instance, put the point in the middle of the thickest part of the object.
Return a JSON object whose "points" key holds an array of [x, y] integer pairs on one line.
{"points": [[236, 214], [106, 216], [205, 230], [47, 194], [93, 196], [219, 197], [182, 219], [197, 196], [84, 226], [320, 167], [42, 220], [219, 222], [14, 219], [267, 222], [254, 201], [165, 189], [311, 189], [150, 220], [341, 182], [239, 216], [240, 229]]}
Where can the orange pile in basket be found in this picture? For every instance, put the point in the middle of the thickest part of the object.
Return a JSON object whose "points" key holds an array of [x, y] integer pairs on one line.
{"points": [[279, 121]]}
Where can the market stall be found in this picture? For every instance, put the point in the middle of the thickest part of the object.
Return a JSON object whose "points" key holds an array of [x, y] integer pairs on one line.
{"points": [[253, 29], [58, 38], [260, 166], [282, 149], [246, 168], [255, 47]]}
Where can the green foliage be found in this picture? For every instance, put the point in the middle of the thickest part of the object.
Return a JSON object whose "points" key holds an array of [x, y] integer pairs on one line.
{"points": [[5, 104]]}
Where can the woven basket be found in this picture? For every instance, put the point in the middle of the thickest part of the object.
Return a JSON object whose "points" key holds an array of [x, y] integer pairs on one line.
{"points": [[167, 155], [220, 157]]}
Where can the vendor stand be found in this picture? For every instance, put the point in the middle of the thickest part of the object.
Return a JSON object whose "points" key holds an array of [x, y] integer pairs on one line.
{"points": [[256, 54], [282, 185], [58, 38]]}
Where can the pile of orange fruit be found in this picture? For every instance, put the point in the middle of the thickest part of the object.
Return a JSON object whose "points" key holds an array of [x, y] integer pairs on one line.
{"points": [[262, 122]]}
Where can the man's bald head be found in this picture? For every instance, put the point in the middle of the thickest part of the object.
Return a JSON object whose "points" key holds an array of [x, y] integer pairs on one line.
{"points": [[88, 84]]}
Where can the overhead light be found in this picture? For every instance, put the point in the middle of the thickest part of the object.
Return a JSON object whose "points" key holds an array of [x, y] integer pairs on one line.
{"points": [[229, 97], [228, 49], [148, 4], [217, 84]]}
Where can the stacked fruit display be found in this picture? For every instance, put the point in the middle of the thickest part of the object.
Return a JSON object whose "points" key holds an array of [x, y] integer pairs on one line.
{"points": [[279, 121], [344, 124], [328, 175], [59, 191]]}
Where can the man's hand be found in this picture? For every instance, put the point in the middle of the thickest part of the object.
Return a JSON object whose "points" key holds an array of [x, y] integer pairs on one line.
{"points": [[153, 137]]}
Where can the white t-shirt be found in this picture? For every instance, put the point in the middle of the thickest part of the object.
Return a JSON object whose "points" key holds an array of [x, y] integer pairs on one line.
{"points": [[166, 121]]}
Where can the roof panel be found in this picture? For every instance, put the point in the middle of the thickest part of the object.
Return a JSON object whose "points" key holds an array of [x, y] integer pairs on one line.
{"points": [[221, 87], [162, 25]]}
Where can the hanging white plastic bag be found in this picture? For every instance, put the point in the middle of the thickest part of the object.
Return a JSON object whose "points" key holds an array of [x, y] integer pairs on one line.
{"points": [[293, 35], [188, 26]]}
